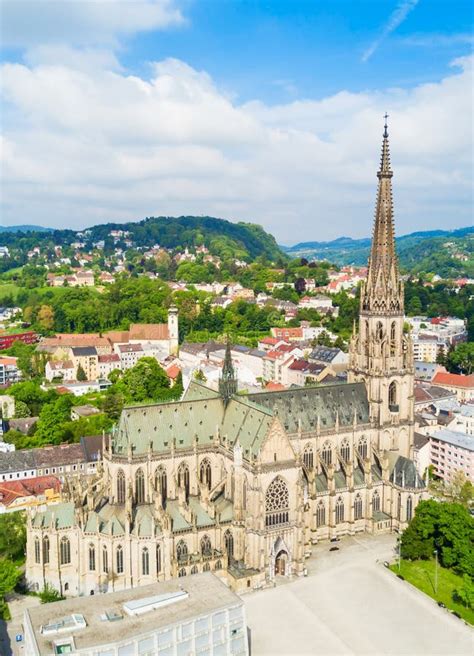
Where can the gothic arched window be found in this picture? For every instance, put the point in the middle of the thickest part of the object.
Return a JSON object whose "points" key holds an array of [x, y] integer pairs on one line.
{"points": [[375, 501], [379, 331], [45, 550], [320, 514], [399, 506], [326, 453], [205, 475], [218, 565], [145, 561], [37, 551], [161, 484], [65, 551], [308, 457], [206, 547], [182, 572], [393, 396], [229, 545], [119, 559], [194, 569], [393, 337], [409, 508], [244, 494], [358, 507], [206, 567], [277, 503], [183, 477], [91, 558], [105, 560], [158, 558], [339, 510], [140, 486], [181, 550], [362, 447], [345, 451], [121, 492]]}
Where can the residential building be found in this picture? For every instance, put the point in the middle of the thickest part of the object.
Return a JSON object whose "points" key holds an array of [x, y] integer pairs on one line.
{"points": [[83, 412], [108, 363], [86, 358], [302, 372], [330, 356], [33, 492], [6, 341], [452, 451], [421, 453], [197, 616], [463, 386], [7, 406], [129, 355], [463, 420], [60, 370]]}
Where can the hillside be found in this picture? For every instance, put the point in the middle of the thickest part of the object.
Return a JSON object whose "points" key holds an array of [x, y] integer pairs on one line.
{"points": [[223, 238], [446, 252], [24, 228]]}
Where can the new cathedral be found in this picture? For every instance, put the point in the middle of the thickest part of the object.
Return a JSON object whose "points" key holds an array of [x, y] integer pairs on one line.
{"points": [[244, 484]]}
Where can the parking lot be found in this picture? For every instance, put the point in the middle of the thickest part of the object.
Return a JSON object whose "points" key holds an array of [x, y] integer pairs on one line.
{"points": [[351, 604]]}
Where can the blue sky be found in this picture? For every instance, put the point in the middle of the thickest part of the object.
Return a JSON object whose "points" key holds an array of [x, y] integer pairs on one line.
{"points": [[258, 110]]}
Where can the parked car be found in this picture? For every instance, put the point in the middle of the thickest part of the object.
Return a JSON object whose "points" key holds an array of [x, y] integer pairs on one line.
{"points": [[334, 549]]}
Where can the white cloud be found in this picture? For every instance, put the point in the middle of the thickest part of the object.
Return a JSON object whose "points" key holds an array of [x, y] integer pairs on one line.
{"points": [[27, 23], [84, 142], [396, 18]]}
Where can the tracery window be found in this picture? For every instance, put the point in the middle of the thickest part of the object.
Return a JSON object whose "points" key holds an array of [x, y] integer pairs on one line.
{"points": [[399, 506], [121, 492], [65, 551], [205, 473], [379, 330], [140, 486], [218, 565], [45, 550], [326, 453], [345, 450], [105, 560], [206, 547], [181, 550], [158, 558], [194, 569], [161, 484], [320, 514], [308, 457], [182, 572], [392, 396], [229, 545], [145, 562], [206, 567], [339, 510], [362, 447], [375, 501], [393, 336], [37, 551], [183, 477], [358, 507], [119, 559], [277, 503], [91, 558], [409, 508]]}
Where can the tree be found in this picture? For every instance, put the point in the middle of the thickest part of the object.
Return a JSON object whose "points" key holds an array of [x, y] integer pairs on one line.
{"points": [[200, 376], [13, 535], [147, 380], [112, 404], [465, 593], [9, 576], [50, 426], [461, 359], [45, 317], [81, 374], [49, 594], [21, 410]]}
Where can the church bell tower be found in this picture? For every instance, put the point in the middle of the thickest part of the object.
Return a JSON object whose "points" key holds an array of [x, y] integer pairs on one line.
{"points": [[381, 354]]}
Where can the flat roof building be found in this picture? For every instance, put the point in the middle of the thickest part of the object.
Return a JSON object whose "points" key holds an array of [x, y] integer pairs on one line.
{"points": [[199, 615]]}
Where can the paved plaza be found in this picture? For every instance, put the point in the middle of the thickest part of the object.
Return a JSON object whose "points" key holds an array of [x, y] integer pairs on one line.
{"points": [[351, 604]]}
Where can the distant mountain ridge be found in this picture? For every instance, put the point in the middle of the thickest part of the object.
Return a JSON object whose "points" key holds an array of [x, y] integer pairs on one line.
{"points": [[25, 228]]}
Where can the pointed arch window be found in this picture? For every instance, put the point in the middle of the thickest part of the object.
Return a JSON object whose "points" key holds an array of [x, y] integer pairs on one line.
{"points": [[105, 560], [121, 493], [205, 473], [158, 558], [65, 551], [37, 551], [409, 508], [393, 338], [183, 477], [161, 484], [277, 503], [218, 565], [326, 453], [194, 569], [320, 514], [140, 486], [145, 561], [206, 567], [358, 507], [181, 550], [393, 397], [206, 547], [376, 501], [379, 331], [362, 447], [182, 572], [399, 506], [229, 545], [339, 510], [119, 559], [45, 550], [91, 558], [244, 494], [345, 450], [308, 457]]}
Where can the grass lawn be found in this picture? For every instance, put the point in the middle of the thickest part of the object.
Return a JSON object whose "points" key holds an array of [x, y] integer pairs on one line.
{"points": [[7, 288], [421, 574]]}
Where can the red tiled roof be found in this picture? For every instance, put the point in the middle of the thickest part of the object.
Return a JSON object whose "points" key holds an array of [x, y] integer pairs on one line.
{"points": [[149, 331], [274, 387], [269, 340], [173, 371], [455, 380], [8, 360], [109, 357], [30, 487]]}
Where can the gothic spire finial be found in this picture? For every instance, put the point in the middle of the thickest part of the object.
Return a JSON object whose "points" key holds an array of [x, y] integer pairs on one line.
{"points": [[385, 132], [228, 379]]}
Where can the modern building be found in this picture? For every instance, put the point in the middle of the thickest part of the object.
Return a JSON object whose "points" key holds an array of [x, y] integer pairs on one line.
{"points": [[9, 371], [197, 616], [452, 451], [244, 484]]}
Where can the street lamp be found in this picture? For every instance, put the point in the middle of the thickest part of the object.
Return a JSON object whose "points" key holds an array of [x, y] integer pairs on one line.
{"points": [[399, 554], [436, 570]]}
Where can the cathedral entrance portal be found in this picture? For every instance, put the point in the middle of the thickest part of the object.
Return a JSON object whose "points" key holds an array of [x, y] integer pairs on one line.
{"points": [[281, 561]]}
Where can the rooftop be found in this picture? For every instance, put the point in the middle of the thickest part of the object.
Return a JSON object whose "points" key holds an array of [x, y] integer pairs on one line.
{"points": [[456, 438], [454, 380], [108, 620]]}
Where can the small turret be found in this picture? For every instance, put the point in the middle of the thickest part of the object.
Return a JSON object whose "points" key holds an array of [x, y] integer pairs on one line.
{"points": [[228, 379]]}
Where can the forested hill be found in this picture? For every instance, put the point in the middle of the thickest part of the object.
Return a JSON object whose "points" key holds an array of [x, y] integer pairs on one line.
{"points": [[223, 238], [447, 252]]}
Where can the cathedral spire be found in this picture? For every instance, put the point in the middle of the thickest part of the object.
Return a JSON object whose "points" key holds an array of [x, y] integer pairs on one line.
{"points": [[228, 379], [383, 290]]}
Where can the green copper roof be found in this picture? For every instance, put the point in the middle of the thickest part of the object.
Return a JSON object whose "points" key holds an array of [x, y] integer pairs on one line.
{"points": [[61, 515]]}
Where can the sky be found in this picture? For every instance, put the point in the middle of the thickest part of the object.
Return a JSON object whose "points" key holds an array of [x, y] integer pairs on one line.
{"points": [[268, 111]]}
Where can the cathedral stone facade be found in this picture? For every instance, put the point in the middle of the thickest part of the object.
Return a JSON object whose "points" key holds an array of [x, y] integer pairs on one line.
{"points": [[243, 485]]}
